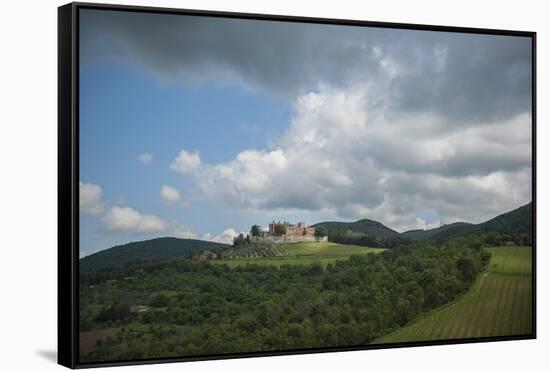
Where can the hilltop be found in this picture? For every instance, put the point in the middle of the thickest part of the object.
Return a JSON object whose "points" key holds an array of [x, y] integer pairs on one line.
{"points": [[518, 221], [158, 248], [365, 226]]}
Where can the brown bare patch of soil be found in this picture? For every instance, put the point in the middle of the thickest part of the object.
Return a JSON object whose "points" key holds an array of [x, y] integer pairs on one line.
{"points": [[88, 339]]}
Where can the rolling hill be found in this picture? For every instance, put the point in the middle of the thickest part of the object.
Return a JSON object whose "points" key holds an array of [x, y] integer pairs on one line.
{"points": [[303, 253], [519, 220], [516, 221], [157, 248], [366, 226]]}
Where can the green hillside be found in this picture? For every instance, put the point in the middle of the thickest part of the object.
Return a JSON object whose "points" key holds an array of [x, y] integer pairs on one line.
{"points": [[255, 250], [165, 308], [518, 221], [499, 303], [364, 232], [365, 226], [158, 248], [293, 254]]}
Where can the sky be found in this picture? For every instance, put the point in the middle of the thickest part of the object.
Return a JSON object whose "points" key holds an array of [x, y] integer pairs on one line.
{"points": [[199, 127]]}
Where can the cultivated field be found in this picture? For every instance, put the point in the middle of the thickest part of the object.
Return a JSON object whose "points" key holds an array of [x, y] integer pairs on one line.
{"points": [[499, 303], [304, 253]]}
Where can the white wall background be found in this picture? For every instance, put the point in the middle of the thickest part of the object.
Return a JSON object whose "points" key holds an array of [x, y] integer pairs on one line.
{"points": [[28, 182]]}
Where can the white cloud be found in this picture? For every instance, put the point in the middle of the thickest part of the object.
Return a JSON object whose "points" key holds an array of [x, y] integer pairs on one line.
{"points": [[125, 219], [90, 199], [145, 158], [186, 162], [169, 194], [405, 121], [423, 224], [315, 166], [226, 237], [345, 153], [183, 231]]}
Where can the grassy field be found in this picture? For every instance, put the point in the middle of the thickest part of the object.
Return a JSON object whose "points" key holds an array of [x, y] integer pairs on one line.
{"points": [[305, 253], [499, 303]]}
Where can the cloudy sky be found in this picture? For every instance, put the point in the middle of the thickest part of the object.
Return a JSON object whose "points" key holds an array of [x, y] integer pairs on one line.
{"points": [[199, 127]]}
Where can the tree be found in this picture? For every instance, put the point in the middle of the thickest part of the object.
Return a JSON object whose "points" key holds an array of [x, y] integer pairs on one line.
{"points": [[160, 301], [321, 231], [255, 230], [467, 268], [485, 258], [403, 310], [279, 229], [239, 240], [115, 312], [315, 268], [492, 238]]}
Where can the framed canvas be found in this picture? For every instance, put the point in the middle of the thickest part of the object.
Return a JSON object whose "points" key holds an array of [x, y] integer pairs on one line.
{"points": [[237, 185]]}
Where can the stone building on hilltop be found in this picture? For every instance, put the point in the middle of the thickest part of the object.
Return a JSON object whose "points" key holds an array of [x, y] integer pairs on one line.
{"points": [[300, 229]]}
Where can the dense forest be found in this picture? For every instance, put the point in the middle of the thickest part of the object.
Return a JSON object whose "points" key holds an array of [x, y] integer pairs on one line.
{"points": [[160, 298], [195, 307]]}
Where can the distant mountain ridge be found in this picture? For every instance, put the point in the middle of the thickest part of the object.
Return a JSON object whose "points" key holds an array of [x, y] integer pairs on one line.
{"points": [[158, 248], [367, 226], [426, 234], [517, 221]]}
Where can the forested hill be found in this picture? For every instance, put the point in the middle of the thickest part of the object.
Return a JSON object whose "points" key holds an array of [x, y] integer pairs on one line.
{"points": [[365, 226], [519, 220], [515, 222], [362, 232], [158, 248]]}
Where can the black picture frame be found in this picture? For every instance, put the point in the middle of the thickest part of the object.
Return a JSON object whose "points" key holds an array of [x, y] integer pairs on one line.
{"points": [[68, 179]]}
